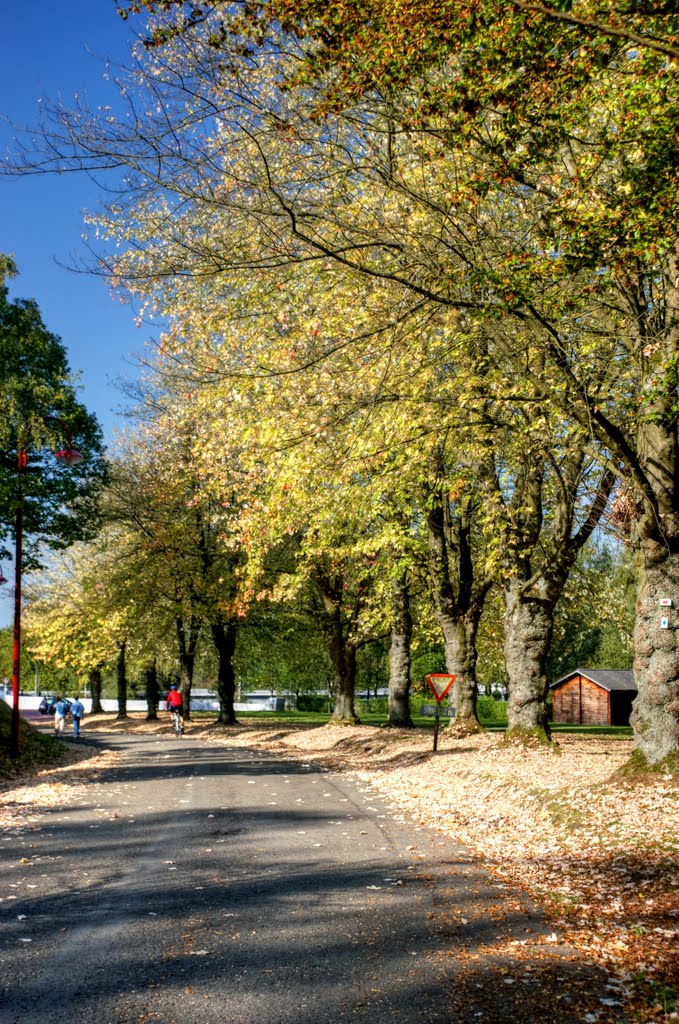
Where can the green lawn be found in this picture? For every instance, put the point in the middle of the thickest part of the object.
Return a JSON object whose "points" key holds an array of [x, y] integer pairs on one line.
{"points": [[593, 730], [312, 718]]}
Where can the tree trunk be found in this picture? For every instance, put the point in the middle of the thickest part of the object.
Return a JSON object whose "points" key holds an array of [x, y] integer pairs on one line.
{"points": [[338, 627], [537, 565], [152, 691], [121, 676], [186, 665], [224, 637], [343, 654], [529, 622], [399, 655], [458, 604], [655, 716], [459, 642], [187, 636], [94, 683], [461, 657]]}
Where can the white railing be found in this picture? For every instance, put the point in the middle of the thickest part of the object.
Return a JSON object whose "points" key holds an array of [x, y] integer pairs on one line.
{"points": [[29, 702]]}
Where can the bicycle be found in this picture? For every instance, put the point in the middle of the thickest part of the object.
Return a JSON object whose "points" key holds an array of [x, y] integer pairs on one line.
{"points": [[177, 723]]}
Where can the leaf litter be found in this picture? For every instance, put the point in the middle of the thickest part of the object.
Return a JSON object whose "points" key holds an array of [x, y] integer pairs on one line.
{"points": [[598, 851]]}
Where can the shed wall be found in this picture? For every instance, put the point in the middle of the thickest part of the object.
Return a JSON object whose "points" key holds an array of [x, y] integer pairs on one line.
{"points": [[580, 701], [594, 704], [566, 702]]}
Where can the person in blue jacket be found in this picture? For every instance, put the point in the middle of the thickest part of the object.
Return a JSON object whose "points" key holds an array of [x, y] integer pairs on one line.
{"points": [[77, 714], [60, 709]]}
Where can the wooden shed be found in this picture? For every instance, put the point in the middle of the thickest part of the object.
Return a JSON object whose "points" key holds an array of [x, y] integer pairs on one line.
{"points": [[592, 696]]}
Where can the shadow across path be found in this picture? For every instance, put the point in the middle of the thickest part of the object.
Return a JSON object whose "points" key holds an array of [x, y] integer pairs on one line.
{"points": [[199, 883]]}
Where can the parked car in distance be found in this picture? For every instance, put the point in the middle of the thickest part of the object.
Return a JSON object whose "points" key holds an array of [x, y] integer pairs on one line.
{"points": [[48, 702]]}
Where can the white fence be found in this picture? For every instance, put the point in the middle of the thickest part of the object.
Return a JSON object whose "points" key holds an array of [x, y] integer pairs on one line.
{"points": [[31, 703]]}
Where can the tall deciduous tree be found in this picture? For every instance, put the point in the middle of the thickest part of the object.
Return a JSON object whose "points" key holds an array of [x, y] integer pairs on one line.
{"points": [[79, 613], [186, 540], [41, 413]]}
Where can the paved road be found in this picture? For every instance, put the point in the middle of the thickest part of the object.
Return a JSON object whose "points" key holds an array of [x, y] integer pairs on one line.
{"points": [[209, 885]]}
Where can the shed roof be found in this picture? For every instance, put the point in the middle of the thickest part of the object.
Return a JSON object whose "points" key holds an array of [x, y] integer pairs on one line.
{"points": [[607, 678]]}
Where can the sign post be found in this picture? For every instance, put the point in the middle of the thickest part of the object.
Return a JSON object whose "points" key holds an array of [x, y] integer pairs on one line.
{"points": [[439, 683]]}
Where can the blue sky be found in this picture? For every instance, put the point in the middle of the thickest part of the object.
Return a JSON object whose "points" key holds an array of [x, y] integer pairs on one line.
{"points": [[46, 50], [49, 50]]}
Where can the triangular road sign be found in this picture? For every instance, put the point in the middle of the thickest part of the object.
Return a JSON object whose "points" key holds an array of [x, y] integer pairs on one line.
{"points": [[440, 683]]}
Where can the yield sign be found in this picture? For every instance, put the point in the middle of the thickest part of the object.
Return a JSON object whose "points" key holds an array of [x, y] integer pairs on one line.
{"points": [[440, 683]]}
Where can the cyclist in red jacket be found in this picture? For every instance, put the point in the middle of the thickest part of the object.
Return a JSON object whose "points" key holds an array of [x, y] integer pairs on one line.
{"points": [[174, 703]]}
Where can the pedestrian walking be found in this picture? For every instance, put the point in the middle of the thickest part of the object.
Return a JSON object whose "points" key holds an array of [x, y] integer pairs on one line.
{"points": [[60, 709], [77, 714]]}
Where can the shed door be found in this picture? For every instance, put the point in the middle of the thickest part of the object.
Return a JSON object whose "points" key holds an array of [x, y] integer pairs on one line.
{"points": [[621, 706]]}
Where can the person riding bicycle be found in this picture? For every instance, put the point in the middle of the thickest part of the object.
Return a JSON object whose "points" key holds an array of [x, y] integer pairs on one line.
{"points": [[174, 703]]}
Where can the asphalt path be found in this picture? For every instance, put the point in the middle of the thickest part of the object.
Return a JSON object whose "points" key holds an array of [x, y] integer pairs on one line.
{"points": [[205, 884]]}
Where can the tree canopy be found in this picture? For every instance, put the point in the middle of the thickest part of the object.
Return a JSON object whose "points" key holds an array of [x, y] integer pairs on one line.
{"points": [[41, 414], [420, 272]]}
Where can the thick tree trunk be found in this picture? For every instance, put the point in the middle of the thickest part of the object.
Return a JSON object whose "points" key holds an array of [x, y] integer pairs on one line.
{"points": [[654, 513], [152, 691], [186, 665], [458, 604], [655, 716], [343, 654], [121, 676], [224, 638], [187, 636], [459, 641], [399, 655], [529, 622], [338, 627], [94, 683]]}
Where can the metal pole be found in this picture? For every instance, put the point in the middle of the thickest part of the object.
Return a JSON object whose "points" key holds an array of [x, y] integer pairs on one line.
{"points": [[22, 466], [436, 727]]}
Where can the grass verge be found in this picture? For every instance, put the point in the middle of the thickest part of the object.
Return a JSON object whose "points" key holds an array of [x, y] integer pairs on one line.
{"points": [[36, 750]]}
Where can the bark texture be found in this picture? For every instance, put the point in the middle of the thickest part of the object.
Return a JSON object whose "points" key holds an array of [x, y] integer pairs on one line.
{"points": [[655, 715], [528, 631], [152, 691], [399, 655], [94, 683], [459, 638], [458, 597], [338, 613], [539, 553], [187, 638], [224, 636], [343, 655], [121, 677]]}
